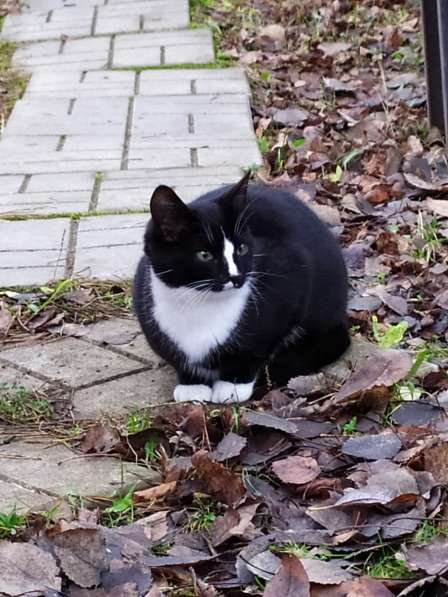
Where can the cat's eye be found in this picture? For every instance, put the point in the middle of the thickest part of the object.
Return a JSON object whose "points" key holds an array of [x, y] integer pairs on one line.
{"points": [[242, 249], [204, 256]]}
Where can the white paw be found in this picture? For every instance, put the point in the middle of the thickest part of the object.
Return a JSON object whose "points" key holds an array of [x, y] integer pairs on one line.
{"points": [[226, 391], [193, 393]]}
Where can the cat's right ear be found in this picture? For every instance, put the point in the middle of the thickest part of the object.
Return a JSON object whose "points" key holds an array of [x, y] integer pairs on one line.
{"points": [[171, 217]]}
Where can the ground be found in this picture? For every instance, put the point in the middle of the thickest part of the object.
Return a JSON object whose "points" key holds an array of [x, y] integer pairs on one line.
{"points": [[332, 486]]}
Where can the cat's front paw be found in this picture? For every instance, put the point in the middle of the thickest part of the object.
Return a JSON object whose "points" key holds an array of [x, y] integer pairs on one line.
{"points": [[226, 391], [192, 393]]}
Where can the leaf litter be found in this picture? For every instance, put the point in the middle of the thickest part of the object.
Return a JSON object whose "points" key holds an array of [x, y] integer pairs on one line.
{"points": [[336, 484]]}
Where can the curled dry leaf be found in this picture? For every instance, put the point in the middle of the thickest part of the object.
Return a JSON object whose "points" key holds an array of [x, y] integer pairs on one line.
{"points": [[291, 580], [222, 483], [438, 206], [234, 523], [296, 470], [155, 493], [333, 48], [324, 573], [383, 369], [100, 439]]}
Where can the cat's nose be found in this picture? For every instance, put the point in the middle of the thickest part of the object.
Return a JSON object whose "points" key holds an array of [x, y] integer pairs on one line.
{"points": [[237, 281]]}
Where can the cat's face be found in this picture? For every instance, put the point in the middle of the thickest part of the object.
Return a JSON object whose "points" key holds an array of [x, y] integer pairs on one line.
{"points": [[202, 253]]}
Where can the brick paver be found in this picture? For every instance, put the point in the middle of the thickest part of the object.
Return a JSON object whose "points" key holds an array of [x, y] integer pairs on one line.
{"points": [[97, 130]]}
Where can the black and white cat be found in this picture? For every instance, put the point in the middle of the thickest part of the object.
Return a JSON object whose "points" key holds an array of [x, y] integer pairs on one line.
{"points": [[242, 277]]}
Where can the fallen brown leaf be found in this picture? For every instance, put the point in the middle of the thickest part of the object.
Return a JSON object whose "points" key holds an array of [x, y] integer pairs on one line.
{"points": [[290, 581], [155, 493], [222, 483], [297, 470]]}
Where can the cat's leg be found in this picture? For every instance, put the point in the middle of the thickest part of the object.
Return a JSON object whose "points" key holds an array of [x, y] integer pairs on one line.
{"points": [[192, 388], [237, 380], [308, 354]]}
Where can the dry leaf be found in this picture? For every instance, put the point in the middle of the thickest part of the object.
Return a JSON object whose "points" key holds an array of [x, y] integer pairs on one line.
{"points": [[222, 483], [155, 493], [230, 446], [296, 469], [290, 581]]}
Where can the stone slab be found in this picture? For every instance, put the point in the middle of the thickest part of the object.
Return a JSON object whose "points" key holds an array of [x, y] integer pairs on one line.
{"points": [[109, 247], [21, 500], [119, 397], [57, 469], [193, 46], [94, 84], [10, 376], [63, 202], [133, 189], [10, 184], [70, 361], [193, 81], [33, 251], [73, 22], [77, 55], [155, 15]]}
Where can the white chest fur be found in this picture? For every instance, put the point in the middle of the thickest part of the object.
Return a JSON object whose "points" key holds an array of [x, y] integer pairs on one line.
{"points": [[195, 322]]}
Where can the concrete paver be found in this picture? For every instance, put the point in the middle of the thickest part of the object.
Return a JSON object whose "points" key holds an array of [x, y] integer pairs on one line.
{"points": [[32, 252], [70, 361]]}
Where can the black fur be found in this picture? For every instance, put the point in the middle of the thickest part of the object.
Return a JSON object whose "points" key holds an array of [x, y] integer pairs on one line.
{"points": [[296, 319]]}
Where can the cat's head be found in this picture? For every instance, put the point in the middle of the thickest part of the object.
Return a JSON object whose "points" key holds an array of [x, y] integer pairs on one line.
{"points": [[207, 249]]}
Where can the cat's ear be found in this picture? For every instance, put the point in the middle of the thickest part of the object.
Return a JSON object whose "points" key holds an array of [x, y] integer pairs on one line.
{"points": [[170, 216], [236, 196]]}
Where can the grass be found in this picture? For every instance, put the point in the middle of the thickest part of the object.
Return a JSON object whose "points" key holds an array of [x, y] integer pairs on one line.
{"points": [[12, 83], [121, 511], [73, 215], [429, 531], [429, 241], [202, 515], [388, 336], [138, 420], [387, 564], [350, 427], [11, 523], [19, 405]]}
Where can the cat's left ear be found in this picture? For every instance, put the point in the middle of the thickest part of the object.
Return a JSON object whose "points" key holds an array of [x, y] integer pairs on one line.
{"points": [[236, 196]]}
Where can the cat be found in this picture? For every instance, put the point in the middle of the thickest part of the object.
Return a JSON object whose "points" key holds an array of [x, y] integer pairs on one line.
{"points": [[243, 277]]}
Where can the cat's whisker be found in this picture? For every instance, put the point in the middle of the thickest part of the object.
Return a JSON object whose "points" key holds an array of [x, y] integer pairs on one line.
{"points": [[167, 271]]}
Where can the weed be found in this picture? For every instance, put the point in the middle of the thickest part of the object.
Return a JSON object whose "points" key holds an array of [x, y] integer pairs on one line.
{"points": [[75, 502], [121, 511], [428, 531], [407, 391], [351, 155], [62, 288], [19, 405], [350, 427], [152, 454], [387, 563], [13, 83], [236, 417], [388, 336], [428, 241], [264, 145], [202, 516], [295, 549], [336, 175], [137, 421], [161, 549], [11, 523]]}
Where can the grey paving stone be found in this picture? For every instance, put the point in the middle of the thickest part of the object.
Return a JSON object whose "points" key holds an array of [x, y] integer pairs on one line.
{"points": [[73, 85], [15, 497], [177, 47], [46, 203], [121, 396], [33, 251], [10, 376], [133, 189], [109, 247], [41, 5], [142, 15], [78, 55], [47, 183], [192, 81], [74, 22], [10, 184], [56, 469], [71, 361], [227, 154]]}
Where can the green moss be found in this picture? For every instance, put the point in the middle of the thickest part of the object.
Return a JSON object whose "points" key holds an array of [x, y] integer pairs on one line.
{"points": [[12, 81]]}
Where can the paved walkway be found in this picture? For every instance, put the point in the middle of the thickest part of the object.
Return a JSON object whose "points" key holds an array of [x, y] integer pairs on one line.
{"points": [[91, 138], [94, 134]]}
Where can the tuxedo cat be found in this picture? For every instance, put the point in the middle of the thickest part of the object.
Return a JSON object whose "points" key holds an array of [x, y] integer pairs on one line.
{"points": [[243, 277]]}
